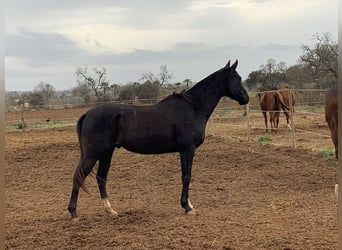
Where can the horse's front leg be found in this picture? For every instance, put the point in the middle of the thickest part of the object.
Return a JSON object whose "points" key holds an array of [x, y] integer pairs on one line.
{"points": [[186, 163]]}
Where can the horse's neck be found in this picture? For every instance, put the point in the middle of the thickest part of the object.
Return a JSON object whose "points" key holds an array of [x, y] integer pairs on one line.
{"points": [[204, 97]]}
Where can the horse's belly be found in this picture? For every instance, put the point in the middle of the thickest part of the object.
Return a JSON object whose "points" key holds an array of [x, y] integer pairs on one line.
{"points": [[149, 142], [149, 146]]}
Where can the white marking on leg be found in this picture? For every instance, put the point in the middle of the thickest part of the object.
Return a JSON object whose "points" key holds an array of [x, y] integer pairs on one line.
{"points": [[192, 211], [190, 205], [108, 208], [289, 126]]}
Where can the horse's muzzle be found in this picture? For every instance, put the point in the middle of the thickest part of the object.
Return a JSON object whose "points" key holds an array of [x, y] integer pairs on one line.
{"points": [[244, 99]]}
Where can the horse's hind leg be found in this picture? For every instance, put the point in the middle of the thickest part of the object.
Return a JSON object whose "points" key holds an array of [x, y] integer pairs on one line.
{"points": [[83, 169], [101, 177], [265, 119], [272, 120], [287, 115]]}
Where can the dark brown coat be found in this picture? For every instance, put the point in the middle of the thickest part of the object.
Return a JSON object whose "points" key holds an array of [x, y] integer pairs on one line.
{"points": [[331, 115]]}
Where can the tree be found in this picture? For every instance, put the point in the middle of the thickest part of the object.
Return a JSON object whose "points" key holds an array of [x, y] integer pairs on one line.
{"points": [[45, 90], [127, 92], [81, 90], [36, 98], [95, 82], [255, 80], [187, 82], [164, 77], [274, 74], [270, 76], [105, 88], [322, 60], [299, 76], [114, 89]]}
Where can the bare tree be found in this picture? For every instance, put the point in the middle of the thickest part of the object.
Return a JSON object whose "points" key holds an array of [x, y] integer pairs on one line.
{"points": [[95, 82], [164, 75], [149, 77]]}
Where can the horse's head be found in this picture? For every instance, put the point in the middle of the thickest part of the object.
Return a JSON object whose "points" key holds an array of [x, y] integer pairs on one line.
{"points": [[233, 86]]}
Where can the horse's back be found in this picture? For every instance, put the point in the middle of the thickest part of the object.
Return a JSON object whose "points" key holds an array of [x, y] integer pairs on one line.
{"points": [[268, 101]]}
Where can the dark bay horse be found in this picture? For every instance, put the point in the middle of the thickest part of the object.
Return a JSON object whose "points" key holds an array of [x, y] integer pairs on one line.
{"points": [[175, 124], [331, 115]]}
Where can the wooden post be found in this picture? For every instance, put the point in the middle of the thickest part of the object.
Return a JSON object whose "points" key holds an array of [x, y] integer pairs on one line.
{"points": [[248, 122], [291, 119]]}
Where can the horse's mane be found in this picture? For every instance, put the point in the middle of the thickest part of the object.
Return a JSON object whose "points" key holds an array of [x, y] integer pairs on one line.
{"points": [[179, 95]]}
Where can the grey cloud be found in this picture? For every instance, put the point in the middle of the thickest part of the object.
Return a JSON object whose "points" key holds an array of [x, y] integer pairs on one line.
{"points": [[192, 60], [185, 60], [40, 49]]}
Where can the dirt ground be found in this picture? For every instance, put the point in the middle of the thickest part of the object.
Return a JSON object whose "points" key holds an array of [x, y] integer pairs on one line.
{"points": [[247, 195]]}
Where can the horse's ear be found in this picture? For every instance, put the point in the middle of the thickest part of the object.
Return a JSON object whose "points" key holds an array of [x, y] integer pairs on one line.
{"points": [[227, 65], [234, 65]]}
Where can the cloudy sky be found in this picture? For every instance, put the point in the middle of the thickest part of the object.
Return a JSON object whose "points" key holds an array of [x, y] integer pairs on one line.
{"points": [[47, 40]]}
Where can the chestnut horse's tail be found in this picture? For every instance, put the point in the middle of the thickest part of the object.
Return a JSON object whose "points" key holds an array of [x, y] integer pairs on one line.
{"points": [[282, 102], [79, 175]]}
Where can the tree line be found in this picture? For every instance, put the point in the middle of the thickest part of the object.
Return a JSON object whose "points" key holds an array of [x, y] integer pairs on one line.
{"points": [[316, 68]]}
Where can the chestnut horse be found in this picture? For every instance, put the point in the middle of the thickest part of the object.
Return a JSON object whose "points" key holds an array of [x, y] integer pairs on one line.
{"points": [[271, 101], [175, 124], [331, 115], [285, 92]]}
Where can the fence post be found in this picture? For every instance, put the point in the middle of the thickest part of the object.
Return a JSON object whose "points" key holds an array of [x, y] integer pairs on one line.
{"points": [[248, 122]]}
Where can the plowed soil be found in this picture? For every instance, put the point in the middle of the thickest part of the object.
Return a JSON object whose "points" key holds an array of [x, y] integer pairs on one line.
{"points": [[247, 195]]}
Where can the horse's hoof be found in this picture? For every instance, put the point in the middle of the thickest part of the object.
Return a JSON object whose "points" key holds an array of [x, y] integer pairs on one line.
{"points": [[75, 220], [111, 213], [191, 212]]}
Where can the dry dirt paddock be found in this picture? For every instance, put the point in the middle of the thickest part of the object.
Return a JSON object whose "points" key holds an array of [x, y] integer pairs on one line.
{"points": [[247, 195]]}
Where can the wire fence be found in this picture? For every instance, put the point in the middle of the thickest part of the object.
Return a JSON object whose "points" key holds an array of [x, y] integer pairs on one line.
{"points": [[227, 116]]}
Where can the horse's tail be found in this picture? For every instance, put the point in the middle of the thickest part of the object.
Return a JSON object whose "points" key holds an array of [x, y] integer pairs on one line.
{"points": [[79, 133], [282, 102], [79, 174]]}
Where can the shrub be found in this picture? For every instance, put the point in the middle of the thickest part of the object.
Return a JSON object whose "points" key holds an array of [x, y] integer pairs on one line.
{"points": [[327, 153], [20, 125], [264, 138]]}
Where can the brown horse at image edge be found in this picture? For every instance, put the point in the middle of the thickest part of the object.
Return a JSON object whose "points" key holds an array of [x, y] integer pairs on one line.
{"points": [[331, 115]]}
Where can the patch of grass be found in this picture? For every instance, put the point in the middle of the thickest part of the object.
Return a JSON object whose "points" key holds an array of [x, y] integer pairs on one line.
{"points": [[327, 153], [20, 125], [38, 124], [264, 138]]}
